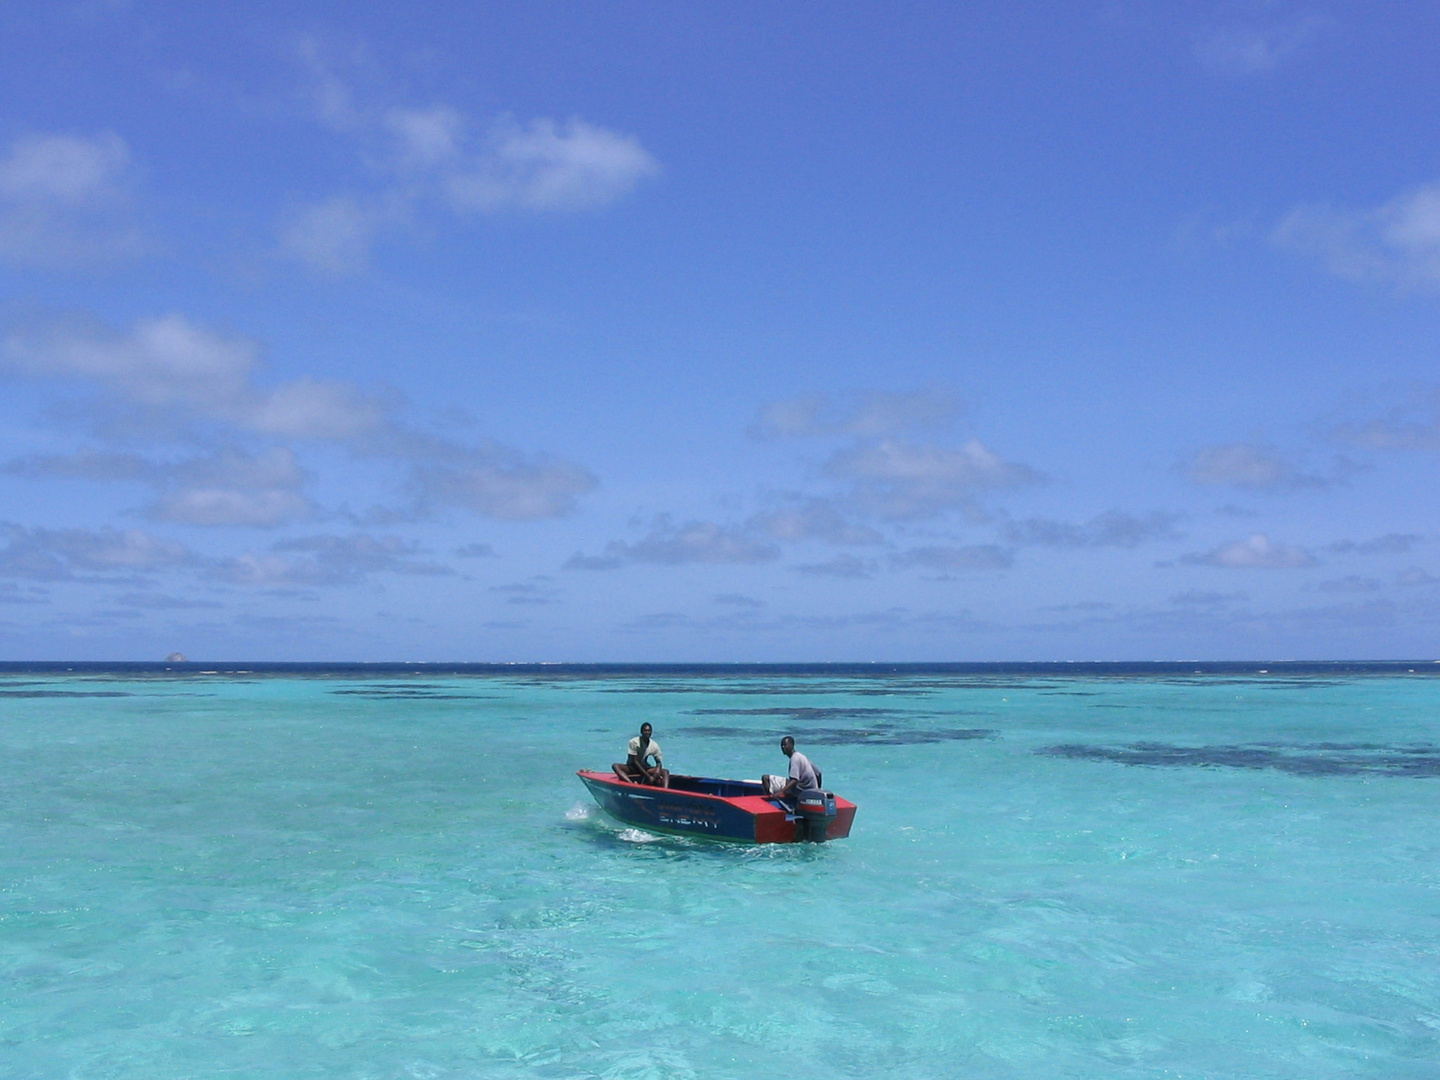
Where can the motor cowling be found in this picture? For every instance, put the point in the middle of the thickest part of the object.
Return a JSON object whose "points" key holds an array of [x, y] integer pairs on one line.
{"points": [[816, 810]]}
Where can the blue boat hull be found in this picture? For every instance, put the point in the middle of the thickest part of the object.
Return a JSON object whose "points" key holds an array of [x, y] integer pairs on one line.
{"points": [[670, 811]]}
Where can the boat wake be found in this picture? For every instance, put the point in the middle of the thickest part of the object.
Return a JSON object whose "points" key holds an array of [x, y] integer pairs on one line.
{"points": [[578, 812]]}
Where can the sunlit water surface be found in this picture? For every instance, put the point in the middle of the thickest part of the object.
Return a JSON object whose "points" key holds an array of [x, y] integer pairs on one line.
{"points": [[400, 876]]}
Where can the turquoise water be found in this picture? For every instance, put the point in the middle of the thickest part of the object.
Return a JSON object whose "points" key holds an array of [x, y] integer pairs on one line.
{"points": [[400, 876]]}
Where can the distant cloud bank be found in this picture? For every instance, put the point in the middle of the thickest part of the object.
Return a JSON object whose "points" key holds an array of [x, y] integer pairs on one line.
{"points": [[175, 386]]}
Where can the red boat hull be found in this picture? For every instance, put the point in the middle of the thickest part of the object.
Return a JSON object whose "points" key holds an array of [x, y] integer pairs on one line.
{"points": [[700, 806]]}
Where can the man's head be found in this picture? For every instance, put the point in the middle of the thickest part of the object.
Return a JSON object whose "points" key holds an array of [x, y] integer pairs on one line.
{"points": [[645, 731], [787, 746]]}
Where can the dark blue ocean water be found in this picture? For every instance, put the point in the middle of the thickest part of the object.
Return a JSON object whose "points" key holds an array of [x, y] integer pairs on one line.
{"points": [[391, 871]]}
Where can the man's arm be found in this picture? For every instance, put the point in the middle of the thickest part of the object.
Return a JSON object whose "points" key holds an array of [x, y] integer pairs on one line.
{"points": [[786, 791]]}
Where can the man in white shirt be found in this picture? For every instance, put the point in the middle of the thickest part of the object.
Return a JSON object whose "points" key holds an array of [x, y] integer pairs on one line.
{"points": [[803, 775], [637, 768]]}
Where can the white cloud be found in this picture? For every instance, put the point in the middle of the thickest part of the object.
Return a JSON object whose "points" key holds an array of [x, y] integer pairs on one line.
{"points": [[318, 409], [581, 561], [1350, 583], [669, 544], [1249, 49], [866, 414], [738, 600], [425, 138], [327, 96], [1255, 466], [170, 364], [63, 169], [1114, 528], [1398, 242], [973, 465], [1206, 599], [750, 624], [475, 551], [325, 560], [1257, 551], [549, 166], [538, 590], [176, 381], [164, 362], [422, 160], [335, 235], [277, 570], [500, 482], [1389, 544], [10, 593], [842, 566], [229, 487], [153, 601], [86, 465], [43, 554], [695, 541], [234, 487], [1412, 424], [884, 474], [813, 519], [64, 201], [902, 480], [950, 559], [1415, 575]]}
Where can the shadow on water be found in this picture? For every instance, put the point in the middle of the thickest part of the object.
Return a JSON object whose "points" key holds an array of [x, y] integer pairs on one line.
{"points": [[871, 688], [64, 693], [1298, 759], [803, 713], [875, 735], [410, 691], [745, 688]]}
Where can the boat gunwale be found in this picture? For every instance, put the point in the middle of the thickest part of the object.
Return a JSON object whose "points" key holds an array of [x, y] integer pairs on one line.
{"points": [[765, 812], [611, 780], [627, 785]]}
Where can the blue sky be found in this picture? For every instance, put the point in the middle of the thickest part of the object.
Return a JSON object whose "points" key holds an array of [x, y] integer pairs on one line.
{"points": [[456, 331]]}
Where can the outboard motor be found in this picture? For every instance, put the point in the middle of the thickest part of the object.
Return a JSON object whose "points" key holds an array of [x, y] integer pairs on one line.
{"points": [[816, 810]]}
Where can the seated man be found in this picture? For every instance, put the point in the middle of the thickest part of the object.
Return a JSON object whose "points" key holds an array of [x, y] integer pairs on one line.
{"points": [[636, 769], [803, 776]]}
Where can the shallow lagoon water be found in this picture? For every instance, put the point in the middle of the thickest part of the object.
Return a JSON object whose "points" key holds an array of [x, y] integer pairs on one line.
{"points": [[312, 874]]}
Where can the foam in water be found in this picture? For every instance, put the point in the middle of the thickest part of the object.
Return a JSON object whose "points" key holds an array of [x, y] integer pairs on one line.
{"points": [[637, 836]]}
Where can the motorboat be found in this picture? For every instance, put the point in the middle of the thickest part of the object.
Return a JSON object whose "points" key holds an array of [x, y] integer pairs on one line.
{"points": [[721, 809]]}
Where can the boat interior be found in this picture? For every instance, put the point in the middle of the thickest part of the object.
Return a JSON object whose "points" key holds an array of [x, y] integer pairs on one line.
{"points": [[706, 785]]}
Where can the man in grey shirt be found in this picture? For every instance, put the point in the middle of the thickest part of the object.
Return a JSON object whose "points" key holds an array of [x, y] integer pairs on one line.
{"points": [[803, 776]]}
